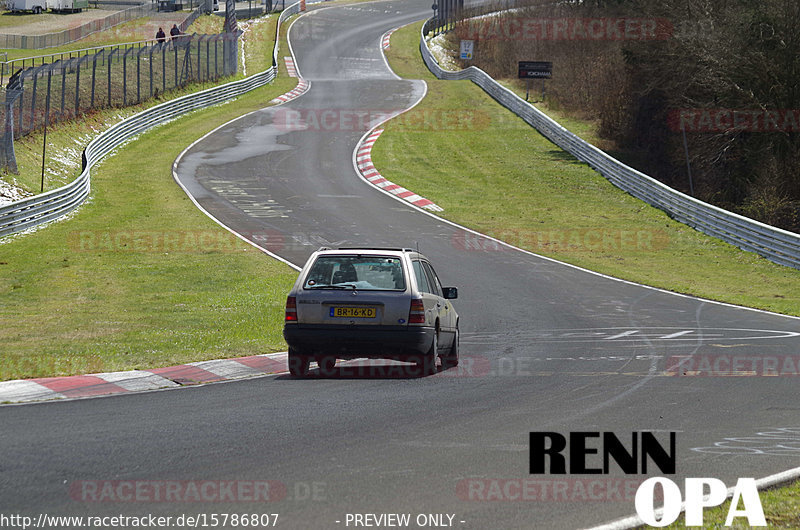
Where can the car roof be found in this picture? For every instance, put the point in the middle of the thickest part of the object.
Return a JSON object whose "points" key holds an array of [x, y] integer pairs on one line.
{"points": [[397, 251]]}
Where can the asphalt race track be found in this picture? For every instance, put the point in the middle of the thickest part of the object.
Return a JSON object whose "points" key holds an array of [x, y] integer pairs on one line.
{"points": [[546, 347]]}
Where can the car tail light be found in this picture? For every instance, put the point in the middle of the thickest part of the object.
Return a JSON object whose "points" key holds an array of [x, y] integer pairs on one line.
{"points": [[416, 315], [291, 309]]}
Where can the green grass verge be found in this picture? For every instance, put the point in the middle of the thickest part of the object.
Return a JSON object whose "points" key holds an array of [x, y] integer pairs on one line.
{"points": [[138, 277], [497, 175], [781, 510]]}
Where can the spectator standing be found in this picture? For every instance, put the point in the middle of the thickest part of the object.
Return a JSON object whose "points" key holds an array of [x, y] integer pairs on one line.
{"points": [[174, 32], [160, 35]]}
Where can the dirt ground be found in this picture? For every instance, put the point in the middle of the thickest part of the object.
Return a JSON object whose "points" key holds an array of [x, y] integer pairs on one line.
{"points": [[24, 24], [135, 30]]}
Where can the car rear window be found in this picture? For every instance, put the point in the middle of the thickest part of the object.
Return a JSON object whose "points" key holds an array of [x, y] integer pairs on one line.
{"points": [[366, 273]]}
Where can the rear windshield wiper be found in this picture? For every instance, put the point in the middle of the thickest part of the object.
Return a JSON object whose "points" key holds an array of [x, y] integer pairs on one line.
{"points": [[339, 286]]}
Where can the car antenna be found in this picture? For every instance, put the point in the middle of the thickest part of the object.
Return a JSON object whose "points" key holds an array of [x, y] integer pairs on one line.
{"points": [[417, 244]]}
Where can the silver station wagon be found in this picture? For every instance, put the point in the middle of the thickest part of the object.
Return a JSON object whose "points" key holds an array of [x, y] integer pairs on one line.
{"points": [[376, 303]]}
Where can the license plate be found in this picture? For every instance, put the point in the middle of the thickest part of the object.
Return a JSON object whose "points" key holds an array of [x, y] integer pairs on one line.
{"points": [[354, 312]]}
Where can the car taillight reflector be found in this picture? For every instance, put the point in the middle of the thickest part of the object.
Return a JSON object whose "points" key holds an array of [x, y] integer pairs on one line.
{"points": [[291, 309], [416, 315]]}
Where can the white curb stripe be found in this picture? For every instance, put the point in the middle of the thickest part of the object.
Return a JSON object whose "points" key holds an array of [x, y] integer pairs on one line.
{"points": [[227, 368], [19, 390], [136, 380]]}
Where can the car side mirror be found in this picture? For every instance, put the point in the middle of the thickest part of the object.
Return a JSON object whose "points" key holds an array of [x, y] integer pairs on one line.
{"points": [[450, 293]]}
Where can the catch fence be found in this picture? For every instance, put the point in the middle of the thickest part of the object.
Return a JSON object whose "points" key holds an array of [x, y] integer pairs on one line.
{"points": [[117, 76]]}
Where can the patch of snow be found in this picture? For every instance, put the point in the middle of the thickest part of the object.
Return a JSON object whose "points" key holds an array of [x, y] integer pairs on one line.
{"points": [[497, 14], [10, 193], [444, 56]]}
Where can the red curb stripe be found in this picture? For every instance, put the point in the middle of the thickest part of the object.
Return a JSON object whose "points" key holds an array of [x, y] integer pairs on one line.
{"points": [[185, 374], [393, 187], [265, 364], [79, 385], [405, 194], [422, 202]]}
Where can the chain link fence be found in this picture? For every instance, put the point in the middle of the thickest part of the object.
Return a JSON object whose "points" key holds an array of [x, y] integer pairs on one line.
{"points": [[8, 67], [117, 76]]}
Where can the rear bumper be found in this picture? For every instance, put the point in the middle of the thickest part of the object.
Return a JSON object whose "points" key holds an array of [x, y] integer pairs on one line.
{"points": [[344, 342]]}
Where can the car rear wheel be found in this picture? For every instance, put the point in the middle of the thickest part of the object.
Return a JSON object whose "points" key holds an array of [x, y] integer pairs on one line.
{"points": [[426, 364], [298, 363], [326, 364], [451, 359]]}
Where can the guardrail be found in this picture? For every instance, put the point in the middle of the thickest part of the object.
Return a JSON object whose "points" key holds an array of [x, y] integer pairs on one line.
{"points": [[33, 211], [775, 244]]}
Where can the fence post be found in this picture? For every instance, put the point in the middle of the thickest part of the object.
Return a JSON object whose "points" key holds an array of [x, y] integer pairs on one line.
{"points": [[8, 160], [163, 67], [77, 87], [63, 87], [21, 103], [150, 62], [110, 60], [94, 77], [125, 77], [32, 122], [138, 76], [175, 48], [46, 123]]}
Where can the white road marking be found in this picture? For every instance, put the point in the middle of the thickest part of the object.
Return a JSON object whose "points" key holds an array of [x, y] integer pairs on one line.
{"points": [[623, 334], [678, 334]]}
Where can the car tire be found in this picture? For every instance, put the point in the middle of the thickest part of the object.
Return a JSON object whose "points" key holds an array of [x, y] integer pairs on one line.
{"points": [[326, 364], [298, 363], [426, 364], [37, 10], [451, 359]]}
